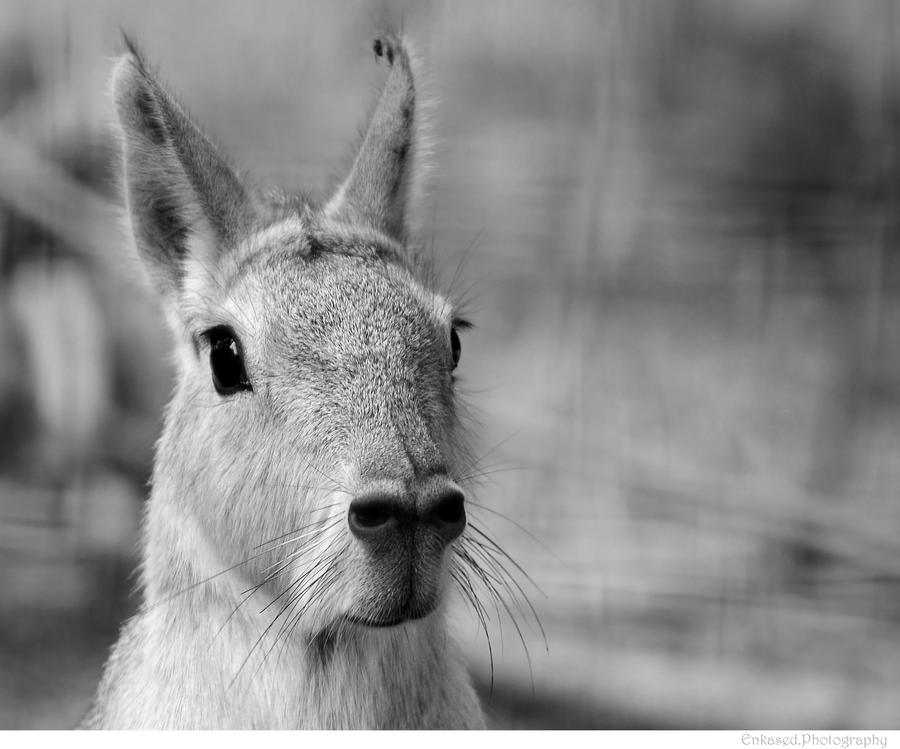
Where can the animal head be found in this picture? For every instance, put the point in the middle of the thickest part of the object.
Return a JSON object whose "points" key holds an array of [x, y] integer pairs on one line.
{"points": [[313, 437]]}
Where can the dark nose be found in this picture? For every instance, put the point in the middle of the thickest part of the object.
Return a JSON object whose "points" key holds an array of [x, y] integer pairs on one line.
{"points": [[376, 517]]}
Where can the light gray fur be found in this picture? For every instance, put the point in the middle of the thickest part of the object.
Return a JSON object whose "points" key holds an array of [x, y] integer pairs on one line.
{"points": [[349, 355]]}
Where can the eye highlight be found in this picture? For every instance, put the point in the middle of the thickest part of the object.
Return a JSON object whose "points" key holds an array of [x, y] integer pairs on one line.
{"points": [[226, 361]]}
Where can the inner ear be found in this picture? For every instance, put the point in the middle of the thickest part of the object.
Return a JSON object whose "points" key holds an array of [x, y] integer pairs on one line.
{"points": [[184, 200], [151, 122]]}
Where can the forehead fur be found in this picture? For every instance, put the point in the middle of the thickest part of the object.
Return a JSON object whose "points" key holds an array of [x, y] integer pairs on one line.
{"points": [[297, 256]]}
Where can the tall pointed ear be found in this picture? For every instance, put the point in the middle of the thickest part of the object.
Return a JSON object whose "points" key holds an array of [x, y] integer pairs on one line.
{"points": [[377, 190], [184, 200]]}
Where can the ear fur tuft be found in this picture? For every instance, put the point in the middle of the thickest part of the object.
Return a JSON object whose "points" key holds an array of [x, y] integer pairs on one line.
{"points": [[378, 190]]}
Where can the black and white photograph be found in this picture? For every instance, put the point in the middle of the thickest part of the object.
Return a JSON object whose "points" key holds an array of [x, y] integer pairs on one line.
{"points": [[503, 364]]}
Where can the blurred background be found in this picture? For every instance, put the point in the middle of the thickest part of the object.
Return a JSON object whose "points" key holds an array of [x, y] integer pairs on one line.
{"points": [[676, 227]]}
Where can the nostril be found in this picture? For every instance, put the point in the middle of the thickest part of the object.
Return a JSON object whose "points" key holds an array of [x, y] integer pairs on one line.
{"points": [[450, 508], [370, 515], [446, 512]]}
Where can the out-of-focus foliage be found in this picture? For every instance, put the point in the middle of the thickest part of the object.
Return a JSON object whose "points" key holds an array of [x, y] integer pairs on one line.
{"points": [[676, 228]]}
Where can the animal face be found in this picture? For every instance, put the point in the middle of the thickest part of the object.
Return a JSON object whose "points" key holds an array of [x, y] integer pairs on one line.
{"points": [[313, 438]]}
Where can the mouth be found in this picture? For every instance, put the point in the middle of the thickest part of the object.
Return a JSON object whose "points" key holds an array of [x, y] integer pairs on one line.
{"points": [[374, 623], [391, 619]]}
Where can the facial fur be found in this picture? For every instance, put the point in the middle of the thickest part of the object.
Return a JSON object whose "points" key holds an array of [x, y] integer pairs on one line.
{"points": [[351, 373]]}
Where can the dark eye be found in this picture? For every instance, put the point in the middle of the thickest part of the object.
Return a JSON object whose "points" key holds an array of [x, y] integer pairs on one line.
{"points": [[226, 361], [455, 347]]}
